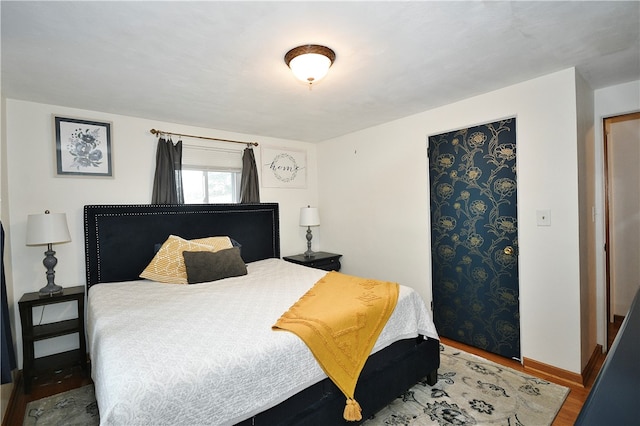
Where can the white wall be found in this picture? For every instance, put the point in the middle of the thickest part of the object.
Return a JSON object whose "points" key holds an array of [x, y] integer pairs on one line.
{"points": [[32, 187], [608, 102], [374, 201]]}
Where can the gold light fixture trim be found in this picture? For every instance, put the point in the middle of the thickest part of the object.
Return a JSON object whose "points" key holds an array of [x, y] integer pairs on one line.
{"points": [[310, 62]]}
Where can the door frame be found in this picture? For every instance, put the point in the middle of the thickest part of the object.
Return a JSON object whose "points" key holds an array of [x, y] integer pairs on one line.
{"points": [[608, 185]]}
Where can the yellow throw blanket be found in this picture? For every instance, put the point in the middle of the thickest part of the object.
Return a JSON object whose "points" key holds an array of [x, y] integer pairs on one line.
{"points": [[340, 319]]}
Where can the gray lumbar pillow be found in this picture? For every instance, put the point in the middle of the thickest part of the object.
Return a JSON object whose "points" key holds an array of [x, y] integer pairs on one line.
{"points": [[203, 266]]}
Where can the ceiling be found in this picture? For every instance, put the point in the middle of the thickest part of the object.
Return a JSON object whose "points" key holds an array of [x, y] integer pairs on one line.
{"points": [[220, 64]]}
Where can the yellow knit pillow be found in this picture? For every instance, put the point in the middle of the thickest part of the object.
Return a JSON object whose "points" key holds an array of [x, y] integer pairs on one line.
{"points": [[167, 266], [218, 243]]}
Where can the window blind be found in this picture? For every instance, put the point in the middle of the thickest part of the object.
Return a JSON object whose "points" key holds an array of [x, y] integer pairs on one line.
{"points": [[212, 158]]}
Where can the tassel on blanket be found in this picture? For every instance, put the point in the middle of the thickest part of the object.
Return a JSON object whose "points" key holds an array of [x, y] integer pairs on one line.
{"points": [[352, 411]]}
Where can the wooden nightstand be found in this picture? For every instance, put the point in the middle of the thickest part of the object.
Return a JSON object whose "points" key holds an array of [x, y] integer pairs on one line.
{"points": [[320, 260], [32, 333]]}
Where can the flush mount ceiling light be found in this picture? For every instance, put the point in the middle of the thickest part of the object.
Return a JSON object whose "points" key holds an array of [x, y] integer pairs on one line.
{"points": [[310, 63]]}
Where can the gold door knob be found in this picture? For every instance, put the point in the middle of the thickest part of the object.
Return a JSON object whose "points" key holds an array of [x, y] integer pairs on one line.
{"points": [[508, 250]]}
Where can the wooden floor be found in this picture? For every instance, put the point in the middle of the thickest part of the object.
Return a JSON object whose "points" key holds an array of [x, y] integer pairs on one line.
{"points": [[577, 394], [74, 378]]}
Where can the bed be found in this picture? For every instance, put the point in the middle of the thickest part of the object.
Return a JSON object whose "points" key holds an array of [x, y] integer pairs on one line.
{"points": [[201, 354]]}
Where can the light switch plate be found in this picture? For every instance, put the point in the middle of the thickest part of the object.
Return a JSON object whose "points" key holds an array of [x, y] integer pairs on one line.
{"points": [[543, 217]]}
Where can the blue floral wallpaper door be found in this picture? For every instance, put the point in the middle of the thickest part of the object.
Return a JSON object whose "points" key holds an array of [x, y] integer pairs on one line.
{"points": [[474, 236]]}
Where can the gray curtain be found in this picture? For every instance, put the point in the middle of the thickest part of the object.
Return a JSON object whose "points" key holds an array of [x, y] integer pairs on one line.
{"points": [[167, 183], [8, 353], [249, 186]]}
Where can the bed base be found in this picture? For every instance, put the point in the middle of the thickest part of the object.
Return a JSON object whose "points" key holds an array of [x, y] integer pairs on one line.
{"points": [[386, 375]]}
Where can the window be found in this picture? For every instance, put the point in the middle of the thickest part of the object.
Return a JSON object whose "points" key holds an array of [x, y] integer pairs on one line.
{"points": [[209, 186], [211, 174]]}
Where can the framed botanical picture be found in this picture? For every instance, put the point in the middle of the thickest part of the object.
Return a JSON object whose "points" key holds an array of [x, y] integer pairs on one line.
{"points": [[83, 147], [284, 168]]}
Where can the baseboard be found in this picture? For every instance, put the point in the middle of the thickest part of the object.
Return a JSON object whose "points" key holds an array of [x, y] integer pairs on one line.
{"points": [[591, 365], [559, 373], [533, 366]]}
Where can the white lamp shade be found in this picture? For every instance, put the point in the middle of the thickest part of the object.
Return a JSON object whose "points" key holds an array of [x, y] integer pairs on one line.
{"points": [[47, 228], [310, 67], [309, 216]]}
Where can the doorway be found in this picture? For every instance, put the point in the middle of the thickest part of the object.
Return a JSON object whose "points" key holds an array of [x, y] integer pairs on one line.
{"points": [[622, 212], [474, 236]]}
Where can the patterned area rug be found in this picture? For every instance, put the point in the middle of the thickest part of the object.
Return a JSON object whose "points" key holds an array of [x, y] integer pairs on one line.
{"points": [[470, 391], [474, 391]]}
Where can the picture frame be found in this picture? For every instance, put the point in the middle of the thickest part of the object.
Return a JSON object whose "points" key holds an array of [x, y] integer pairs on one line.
{"points": [[284, 168], [83, 147]]}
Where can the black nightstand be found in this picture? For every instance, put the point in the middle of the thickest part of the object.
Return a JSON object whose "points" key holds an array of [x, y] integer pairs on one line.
{"points": [[320, 260], [32, 333]]}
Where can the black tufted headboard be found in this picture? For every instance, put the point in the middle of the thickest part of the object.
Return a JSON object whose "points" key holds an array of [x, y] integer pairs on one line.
{"points": [[120, 239]]}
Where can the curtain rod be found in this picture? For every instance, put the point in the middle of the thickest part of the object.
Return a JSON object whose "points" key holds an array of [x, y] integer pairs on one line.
{"points": [[162, 132]]}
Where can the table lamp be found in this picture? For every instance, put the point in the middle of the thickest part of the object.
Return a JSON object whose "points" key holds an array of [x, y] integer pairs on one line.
{"points": [[49, 229], [309, 217]]}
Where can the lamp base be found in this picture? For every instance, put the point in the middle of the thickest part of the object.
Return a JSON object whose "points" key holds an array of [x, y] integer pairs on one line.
{"points": [[50, 262], [50, 290], [309, 253]]}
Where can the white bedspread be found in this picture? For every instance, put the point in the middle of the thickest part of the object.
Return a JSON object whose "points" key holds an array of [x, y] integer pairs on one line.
{"points": [[206, 353]]}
